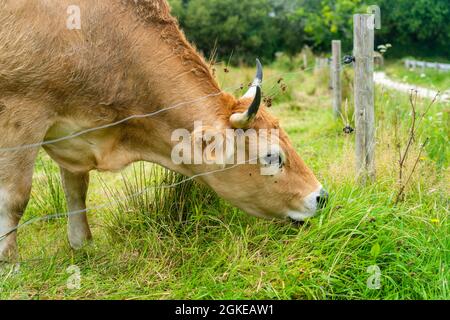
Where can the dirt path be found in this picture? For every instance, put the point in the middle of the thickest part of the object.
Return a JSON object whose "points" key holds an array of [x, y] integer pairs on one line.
{"points": [[381, 79]]}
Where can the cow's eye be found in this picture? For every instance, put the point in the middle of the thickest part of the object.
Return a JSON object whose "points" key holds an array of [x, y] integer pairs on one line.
{"points": [[274, 159], [280, 161]]}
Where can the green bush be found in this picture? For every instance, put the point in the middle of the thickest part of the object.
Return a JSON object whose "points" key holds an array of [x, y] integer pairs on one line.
{"points": [[246, 29]]}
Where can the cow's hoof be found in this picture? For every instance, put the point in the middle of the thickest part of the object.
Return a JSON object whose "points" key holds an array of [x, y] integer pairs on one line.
{"points": [[80, 240]]}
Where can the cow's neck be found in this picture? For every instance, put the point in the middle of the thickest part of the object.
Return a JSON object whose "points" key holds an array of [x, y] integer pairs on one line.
{"points": [[185, 94], [183, 100], [178, 78]]}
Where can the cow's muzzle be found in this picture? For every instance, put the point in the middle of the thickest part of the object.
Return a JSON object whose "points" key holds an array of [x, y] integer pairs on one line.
{"points": [[311, 204]]}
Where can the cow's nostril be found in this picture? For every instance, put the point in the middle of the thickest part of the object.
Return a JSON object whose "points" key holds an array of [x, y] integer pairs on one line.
{"points": [[322, 199]]}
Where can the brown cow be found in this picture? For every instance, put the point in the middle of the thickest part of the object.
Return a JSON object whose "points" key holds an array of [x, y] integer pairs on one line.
{"points": [[128, 58]]}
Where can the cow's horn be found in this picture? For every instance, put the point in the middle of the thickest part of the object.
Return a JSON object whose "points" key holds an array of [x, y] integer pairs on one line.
{"points": [[242, 120]]}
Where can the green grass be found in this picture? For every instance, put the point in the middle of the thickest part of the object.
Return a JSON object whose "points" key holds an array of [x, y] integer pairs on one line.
{"points": [[186, 243], [428, 78]]}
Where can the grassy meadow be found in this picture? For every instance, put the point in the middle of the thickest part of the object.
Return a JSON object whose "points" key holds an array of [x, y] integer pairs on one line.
{"points": [[185, 243]]}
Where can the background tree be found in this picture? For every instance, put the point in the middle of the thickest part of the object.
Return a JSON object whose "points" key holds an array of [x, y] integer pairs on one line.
{"points": [[241, 30], [244, 29], [418, 28]]}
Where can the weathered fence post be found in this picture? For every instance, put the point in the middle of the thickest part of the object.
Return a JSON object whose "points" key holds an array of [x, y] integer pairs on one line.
{"points": [[305, 61], [330, 69], [364, 96], [336, 77]]}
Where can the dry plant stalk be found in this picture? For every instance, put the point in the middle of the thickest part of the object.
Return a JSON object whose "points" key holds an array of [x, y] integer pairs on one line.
{"points": [[345, 119], [416, 120]]}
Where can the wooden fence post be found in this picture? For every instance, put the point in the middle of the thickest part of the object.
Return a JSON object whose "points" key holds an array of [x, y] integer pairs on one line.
{"points": [[364, 96], [305, 61], [330, 69], [336, 83]]}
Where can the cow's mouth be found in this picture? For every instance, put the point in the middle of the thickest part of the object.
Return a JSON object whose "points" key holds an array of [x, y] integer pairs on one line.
{"points": [[298, 216], [297, 223], [311, 204]]}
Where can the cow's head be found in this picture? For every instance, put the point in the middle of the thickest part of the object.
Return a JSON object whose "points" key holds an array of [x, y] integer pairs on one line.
{"points": [[279, 184]]}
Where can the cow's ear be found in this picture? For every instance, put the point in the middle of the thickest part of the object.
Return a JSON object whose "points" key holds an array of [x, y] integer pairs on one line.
{"points": [[210, 146]]}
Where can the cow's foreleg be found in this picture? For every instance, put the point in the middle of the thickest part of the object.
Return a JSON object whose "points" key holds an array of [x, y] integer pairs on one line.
{"points": [[22, 124], [16, 173], [14, 196], [76, 187]]}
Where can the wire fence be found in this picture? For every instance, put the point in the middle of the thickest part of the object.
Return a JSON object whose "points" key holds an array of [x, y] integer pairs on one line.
{"points": [[134, 195]]}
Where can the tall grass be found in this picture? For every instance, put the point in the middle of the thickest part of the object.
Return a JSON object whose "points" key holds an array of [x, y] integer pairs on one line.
{"points": [[153, 197], [47, 193]]}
